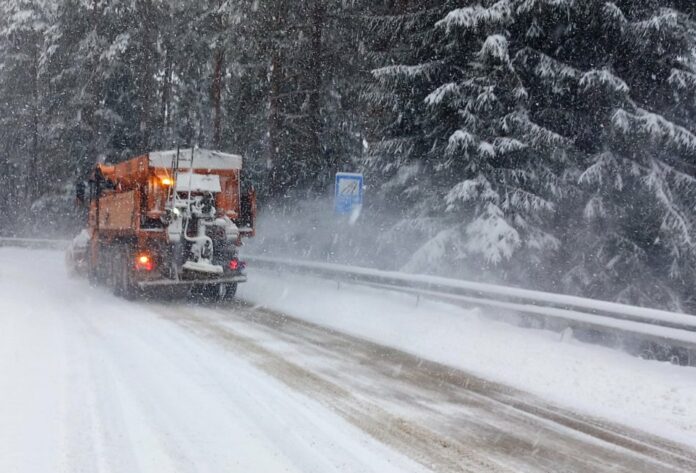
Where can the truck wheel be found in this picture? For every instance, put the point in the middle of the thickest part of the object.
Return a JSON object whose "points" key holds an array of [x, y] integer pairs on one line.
{"points": [[230, 291], [118, 275], [125, 286], [92, 272], [209, 292], [111, 269], [92, 276]]}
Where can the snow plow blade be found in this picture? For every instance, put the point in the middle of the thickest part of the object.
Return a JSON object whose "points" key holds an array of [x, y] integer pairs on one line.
{"points": [[189, 283]]}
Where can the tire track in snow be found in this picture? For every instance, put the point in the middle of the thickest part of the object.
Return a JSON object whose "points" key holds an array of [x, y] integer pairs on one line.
{"points": [[190, 377], [519, 432], [89, 382], [163, 399], [421, 444], [117, 414]]}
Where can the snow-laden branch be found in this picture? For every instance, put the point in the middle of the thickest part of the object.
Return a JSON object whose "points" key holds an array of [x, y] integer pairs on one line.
{"points": [[491, 236], [401, 71], [655, 126], [538, 239], [683, 81], [476, 189], [539, 136], [117, 48], [602, 79], [486, 150], [437, 96], [611, 10], [667, 18], [527, 6], [519, 199], [495, 48], [505, 145], [684, 182], [476, 17], [604, 164], [460, 140], [595, 209], [486, 100], [394, 146], [674, 221], [547, 69], [447, 244]]}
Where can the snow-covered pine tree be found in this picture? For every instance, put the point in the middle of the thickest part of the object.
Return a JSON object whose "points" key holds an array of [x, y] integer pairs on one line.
{"points": [[286, 101], [618, 79], [245, 94], [463, 147], [341, 118], [78, 128], [102, 63], [397, 43], [23, 24]]}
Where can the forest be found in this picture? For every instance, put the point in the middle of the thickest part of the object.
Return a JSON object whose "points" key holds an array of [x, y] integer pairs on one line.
{"points": [[548, 144]]}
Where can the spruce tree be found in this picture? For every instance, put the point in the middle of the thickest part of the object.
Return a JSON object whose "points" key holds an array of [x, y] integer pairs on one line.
{"points": [[465, 149], [617, 78], [22, 93]]}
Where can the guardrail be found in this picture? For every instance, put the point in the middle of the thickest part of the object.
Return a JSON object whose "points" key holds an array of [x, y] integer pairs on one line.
{"points": [[645, 332], [35, 243], [650, 333]]}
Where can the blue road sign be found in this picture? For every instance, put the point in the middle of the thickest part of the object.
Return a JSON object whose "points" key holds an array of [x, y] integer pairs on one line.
{"points": [[349, 192]]}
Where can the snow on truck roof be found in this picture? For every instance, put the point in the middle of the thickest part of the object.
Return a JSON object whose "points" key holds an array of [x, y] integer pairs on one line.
{"points": [[202, 159]]}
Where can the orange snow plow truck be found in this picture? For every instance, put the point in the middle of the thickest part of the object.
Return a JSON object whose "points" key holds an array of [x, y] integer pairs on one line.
{"points": [[167, 219]]}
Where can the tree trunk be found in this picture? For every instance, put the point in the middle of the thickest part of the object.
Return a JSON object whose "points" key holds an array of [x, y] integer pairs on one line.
{"points": [[274, 125], [146, 72], [33, 175], [165, 106], [219, 58], [316, 65], [93, 91], [278, 168], [220, 25]]}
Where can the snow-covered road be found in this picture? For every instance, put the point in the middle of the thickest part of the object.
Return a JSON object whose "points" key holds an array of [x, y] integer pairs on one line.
{"points": [[95, 384], [92, 383]]}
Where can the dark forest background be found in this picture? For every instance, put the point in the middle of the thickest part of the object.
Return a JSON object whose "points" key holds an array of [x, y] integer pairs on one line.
{"points": [[543, 143]]}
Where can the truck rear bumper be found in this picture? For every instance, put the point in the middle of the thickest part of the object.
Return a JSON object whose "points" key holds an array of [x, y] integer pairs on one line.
{"points": [[191, 282]]}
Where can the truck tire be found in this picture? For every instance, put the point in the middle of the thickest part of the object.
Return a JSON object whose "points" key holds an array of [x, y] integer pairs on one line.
{"points": [[210, 292], [92, 272], [111, 269], [124, 286], [92, 276], [230, 291], [118, 281], [213, 293]]}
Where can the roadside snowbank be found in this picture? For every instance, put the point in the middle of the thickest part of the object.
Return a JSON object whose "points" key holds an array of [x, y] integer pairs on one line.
{"points": [[652, 396]]}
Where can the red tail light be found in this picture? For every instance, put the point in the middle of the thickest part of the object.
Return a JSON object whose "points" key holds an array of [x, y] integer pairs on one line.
{"points": [[234, 264], [144, 263]]}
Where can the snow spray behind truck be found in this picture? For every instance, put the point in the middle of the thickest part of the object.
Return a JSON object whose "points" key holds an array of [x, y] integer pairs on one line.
{"points": [[167, 219]]}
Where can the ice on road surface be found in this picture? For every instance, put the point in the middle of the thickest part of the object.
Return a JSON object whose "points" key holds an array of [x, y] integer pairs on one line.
{"points": [[92, 383]]}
